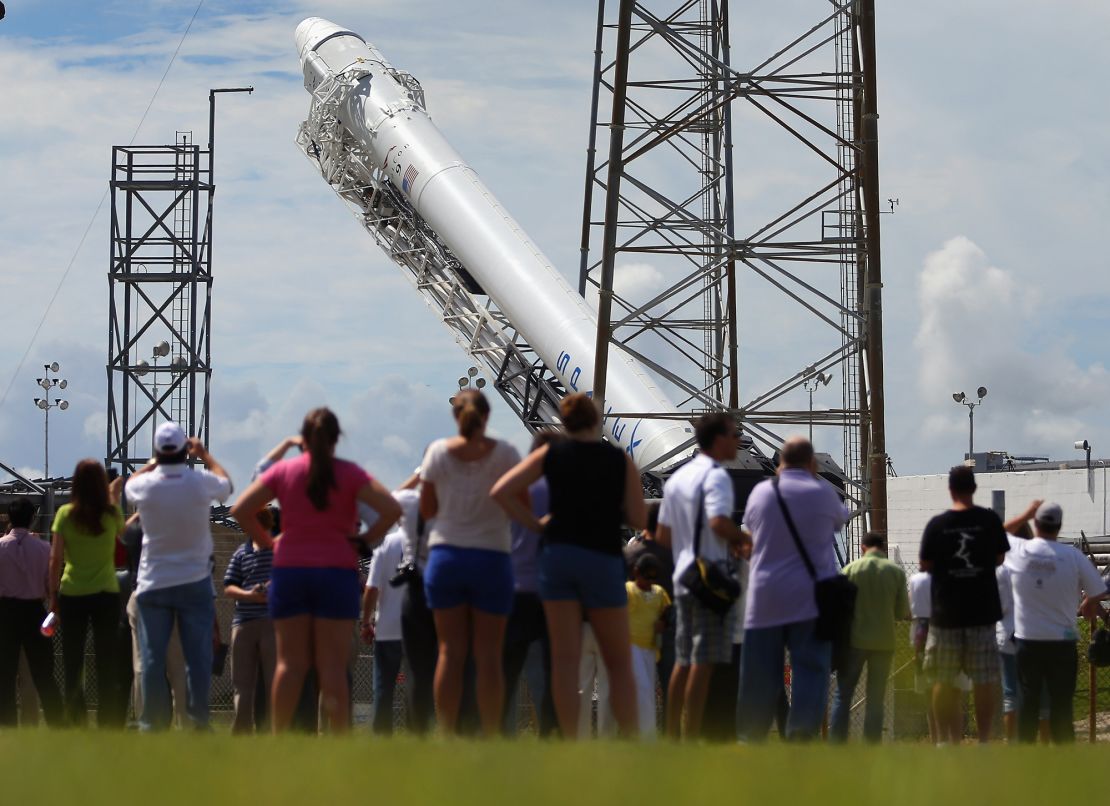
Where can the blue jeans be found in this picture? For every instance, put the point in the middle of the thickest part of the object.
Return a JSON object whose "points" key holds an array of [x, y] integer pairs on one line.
{"points": [[387, 664], [193, 607], [761, 682], [847, 677]]}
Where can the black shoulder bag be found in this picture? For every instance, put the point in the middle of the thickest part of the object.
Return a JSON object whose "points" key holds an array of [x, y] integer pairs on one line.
{"points": [[710, 582], [836, 596]]}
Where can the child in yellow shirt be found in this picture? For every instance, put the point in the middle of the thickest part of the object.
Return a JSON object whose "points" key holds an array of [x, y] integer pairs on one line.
{"points": [[647, 607]]}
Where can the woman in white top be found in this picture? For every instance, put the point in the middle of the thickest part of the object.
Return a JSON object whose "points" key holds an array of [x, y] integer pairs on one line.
{"points": [[468, 580]]}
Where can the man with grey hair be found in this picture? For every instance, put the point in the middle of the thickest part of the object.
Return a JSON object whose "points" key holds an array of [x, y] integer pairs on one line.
{"points": [[1049, 580], [781, 611]]}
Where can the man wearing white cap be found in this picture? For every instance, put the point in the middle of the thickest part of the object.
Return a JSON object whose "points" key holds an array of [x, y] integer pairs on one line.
{"points": [[1049, 579], [175, 571]]}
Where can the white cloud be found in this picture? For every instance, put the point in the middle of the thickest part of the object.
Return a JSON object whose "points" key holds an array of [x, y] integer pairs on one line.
{"points": [[980, 325]]}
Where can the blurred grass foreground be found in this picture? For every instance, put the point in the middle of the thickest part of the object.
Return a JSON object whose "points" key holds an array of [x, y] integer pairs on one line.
{"points": [[91, 767]]}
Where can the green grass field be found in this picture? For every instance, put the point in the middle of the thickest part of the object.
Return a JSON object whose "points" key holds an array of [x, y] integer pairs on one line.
{"points": [[101, 768]]}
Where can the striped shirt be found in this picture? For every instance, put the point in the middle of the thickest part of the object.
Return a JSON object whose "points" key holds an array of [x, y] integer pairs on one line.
{"points": [[249, 567]]}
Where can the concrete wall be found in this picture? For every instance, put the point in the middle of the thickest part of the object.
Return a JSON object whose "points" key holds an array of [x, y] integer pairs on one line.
{"points": [[912, 500]]}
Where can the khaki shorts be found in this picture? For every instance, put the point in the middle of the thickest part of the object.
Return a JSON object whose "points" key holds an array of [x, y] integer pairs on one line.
{"points": [[701, 636], [971, 650]]}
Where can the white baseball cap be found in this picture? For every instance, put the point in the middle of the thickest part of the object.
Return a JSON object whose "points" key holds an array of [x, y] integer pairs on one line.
{"points": [[169, 438]]}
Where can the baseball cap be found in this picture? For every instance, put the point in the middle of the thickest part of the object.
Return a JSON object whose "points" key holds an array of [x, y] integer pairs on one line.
{"points": [[1049, 514], [169, 438]]}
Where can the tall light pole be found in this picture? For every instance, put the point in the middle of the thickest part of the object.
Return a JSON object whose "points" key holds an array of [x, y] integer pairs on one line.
{"points": [[48, 384], [161, 350], [963, 400], [1103, 463], [1084, 445], [810, 384]]}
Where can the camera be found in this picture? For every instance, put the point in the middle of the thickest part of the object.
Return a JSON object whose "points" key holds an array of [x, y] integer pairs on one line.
{"points": [[365, 551], [405, 573]]}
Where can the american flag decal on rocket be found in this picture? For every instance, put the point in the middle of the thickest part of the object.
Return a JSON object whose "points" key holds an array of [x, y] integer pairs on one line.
{"points": [[410, 177]]}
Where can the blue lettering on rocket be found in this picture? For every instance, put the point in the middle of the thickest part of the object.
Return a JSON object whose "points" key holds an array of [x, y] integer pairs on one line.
{"points": [[633, 443], [574, 378]]}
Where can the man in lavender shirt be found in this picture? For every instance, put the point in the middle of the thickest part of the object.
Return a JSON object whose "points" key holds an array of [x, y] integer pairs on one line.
{"points": [[781, 610], [23, 573]]}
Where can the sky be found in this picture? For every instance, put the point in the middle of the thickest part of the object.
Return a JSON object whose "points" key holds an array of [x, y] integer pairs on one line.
{"points": [[992, 136]]}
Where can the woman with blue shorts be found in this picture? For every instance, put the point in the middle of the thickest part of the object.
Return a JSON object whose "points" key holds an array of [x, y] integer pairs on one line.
{"points": [[315, 591], [594, 488], [468, 580]]}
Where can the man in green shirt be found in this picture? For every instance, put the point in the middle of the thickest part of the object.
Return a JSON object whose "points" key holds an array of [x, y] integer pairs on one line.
{"points": [[882, 600]]}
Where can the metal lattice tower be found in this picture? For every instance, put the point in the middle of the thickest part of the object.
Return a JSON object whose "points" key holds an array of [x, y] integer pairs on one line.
{"points": [[160, 282], [666, 70]]}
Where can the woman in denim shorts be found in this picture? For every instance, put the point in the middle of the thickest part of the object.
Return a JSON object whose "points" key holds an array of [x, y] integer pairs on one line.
{"points": [[468, 580], [315, 589], [595, 488]]}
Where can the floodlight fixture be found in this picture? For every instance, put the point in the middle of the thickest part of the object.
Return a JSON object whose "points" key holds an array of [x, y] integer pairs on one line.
{"points": [[162, 349], [63, 404], [463, 382], [1082, 445], [480, 383], [142, 367], [63, 384], [472, 371], [53, 366], [962, 399]]}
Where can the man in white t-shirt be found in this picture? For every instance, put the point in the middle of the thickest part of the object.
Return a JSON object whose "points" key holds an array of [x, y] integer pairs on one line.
{"points": [[700, 490], [381, 625], [1049, 580], [175, 571]]}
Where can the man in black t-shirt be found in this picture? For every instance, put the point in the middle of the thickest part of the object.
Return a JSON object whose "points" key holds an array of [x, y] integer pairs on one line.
{"points": [[961, 549]]}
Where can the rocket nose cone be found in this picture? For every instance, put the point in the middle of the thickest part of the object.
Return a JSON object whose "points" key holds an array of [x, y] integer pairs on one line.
{"points": [[303, 34], [314, 30]]}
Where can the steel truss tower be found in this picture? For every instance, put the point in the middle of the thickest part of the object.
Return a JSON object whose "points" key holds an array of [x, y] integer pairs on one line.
{"points": [[677, 249], [160, 290]]}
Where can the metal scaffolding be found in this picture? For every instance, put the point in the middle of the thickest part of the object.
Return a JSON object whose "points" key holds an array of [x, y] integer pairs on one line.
{"points": [[160, 283], [671, 247]]}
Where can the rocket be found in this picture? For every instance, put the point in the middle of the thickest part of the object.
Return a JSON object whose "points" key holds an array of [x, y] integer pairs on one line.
{"points": [[380, 114]]}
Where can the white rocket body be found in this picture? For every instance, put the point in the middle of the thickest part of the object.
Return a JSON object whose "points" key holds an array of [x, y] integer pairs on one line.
{"points": [[449, 196]]}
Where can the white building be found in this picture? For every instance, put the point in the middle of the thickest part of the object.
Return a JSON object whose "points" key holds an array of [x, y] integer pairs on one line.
{"points": [[913, 500]]}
